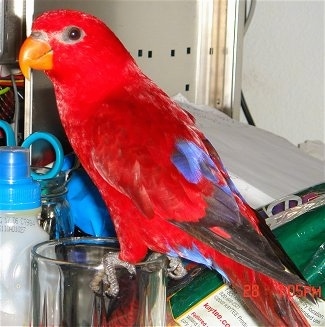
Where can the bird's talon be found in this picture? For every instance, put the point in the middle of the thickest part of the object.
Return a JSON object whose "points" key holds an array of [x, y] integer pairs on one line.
{"points": [[176, 269], [105, 280]]}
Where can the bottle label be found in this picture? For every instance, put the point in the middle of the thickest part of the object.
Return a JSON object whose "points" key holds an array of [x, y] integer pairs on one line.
{"points": [[15, 224]]}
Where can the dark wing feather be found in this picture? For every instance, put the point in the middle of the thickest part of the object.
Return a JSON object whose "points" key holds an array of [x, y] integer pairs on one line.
{"points": [[245, 247], [263, 227], [229, 225]]}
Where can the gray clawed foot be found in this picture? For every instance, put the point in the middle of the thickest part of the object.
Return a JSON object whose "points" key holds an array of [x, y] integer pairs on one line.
{"points": [[176, 269], [105, 280], [107, 277]]}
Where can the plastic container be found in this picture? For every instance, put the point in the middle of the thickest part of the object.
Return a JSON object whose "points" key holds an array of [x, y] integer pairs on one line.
{"points": [[20, 208]]}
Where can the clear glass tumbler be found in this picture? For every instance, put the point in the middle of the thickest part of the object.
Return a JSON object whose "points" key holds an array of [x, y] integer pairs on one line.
{"points": [[62, 271]]}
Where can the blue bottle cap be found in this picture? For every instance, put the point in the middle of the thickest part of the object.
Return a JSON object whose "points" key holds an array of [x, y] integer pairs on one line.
{"points": [[18, 191]]}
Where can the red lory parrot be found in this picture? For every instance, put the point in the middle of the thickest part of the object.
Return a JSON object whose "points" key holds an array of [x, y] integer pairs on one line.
{"points": [[164, 183]]}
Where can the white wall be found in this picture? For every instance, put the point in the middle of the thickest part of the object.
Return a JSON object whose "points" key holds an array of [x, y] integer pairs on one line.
{"points": [[283, 68]]}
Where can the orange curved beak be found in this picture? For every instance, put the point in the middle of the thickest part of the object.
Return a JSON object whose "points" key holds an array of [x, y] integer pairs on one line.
{"points": [[35, 54]]}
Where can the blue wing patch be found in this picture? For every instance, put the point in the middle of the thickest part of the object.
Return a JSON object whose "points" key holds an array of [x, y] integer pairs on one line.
{"points": [[193, 254], [193, 163]]}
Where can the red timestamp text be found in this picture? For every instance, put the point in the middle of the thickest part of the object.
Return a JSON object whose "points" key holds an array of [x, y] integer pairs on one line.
{"points": [[304, 290], [298, 290]]}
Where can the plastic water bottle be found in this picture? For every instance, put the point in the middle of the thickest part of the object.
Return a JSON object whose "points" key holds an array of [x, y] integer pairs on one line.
{"points": [[20, 208]]}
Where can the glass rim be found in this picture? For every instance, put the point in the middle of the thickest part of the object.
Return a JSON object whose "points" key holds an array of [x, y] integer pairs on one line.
{"points": [[84, 240]]}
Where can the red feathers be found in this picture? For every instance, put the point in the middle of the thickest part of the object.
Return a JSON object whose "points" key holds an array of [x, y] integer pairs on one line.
{"points": [[164, 183]]}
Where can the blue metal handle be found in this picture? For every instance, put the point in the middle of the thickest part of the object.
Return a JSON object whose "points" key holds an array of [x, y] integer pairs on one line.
{"points": [[10, 135], [59, 154], [53, 140]]}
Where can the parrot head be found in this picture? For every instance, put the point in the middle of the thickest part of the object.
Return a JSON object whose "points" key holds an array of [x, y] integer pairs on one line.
{"points": [[70, 45]]}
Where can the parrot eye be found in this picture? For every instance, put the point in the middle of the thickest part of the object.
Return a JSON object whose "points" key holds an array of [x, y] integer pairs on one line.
{"points": [[73, 34]]}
